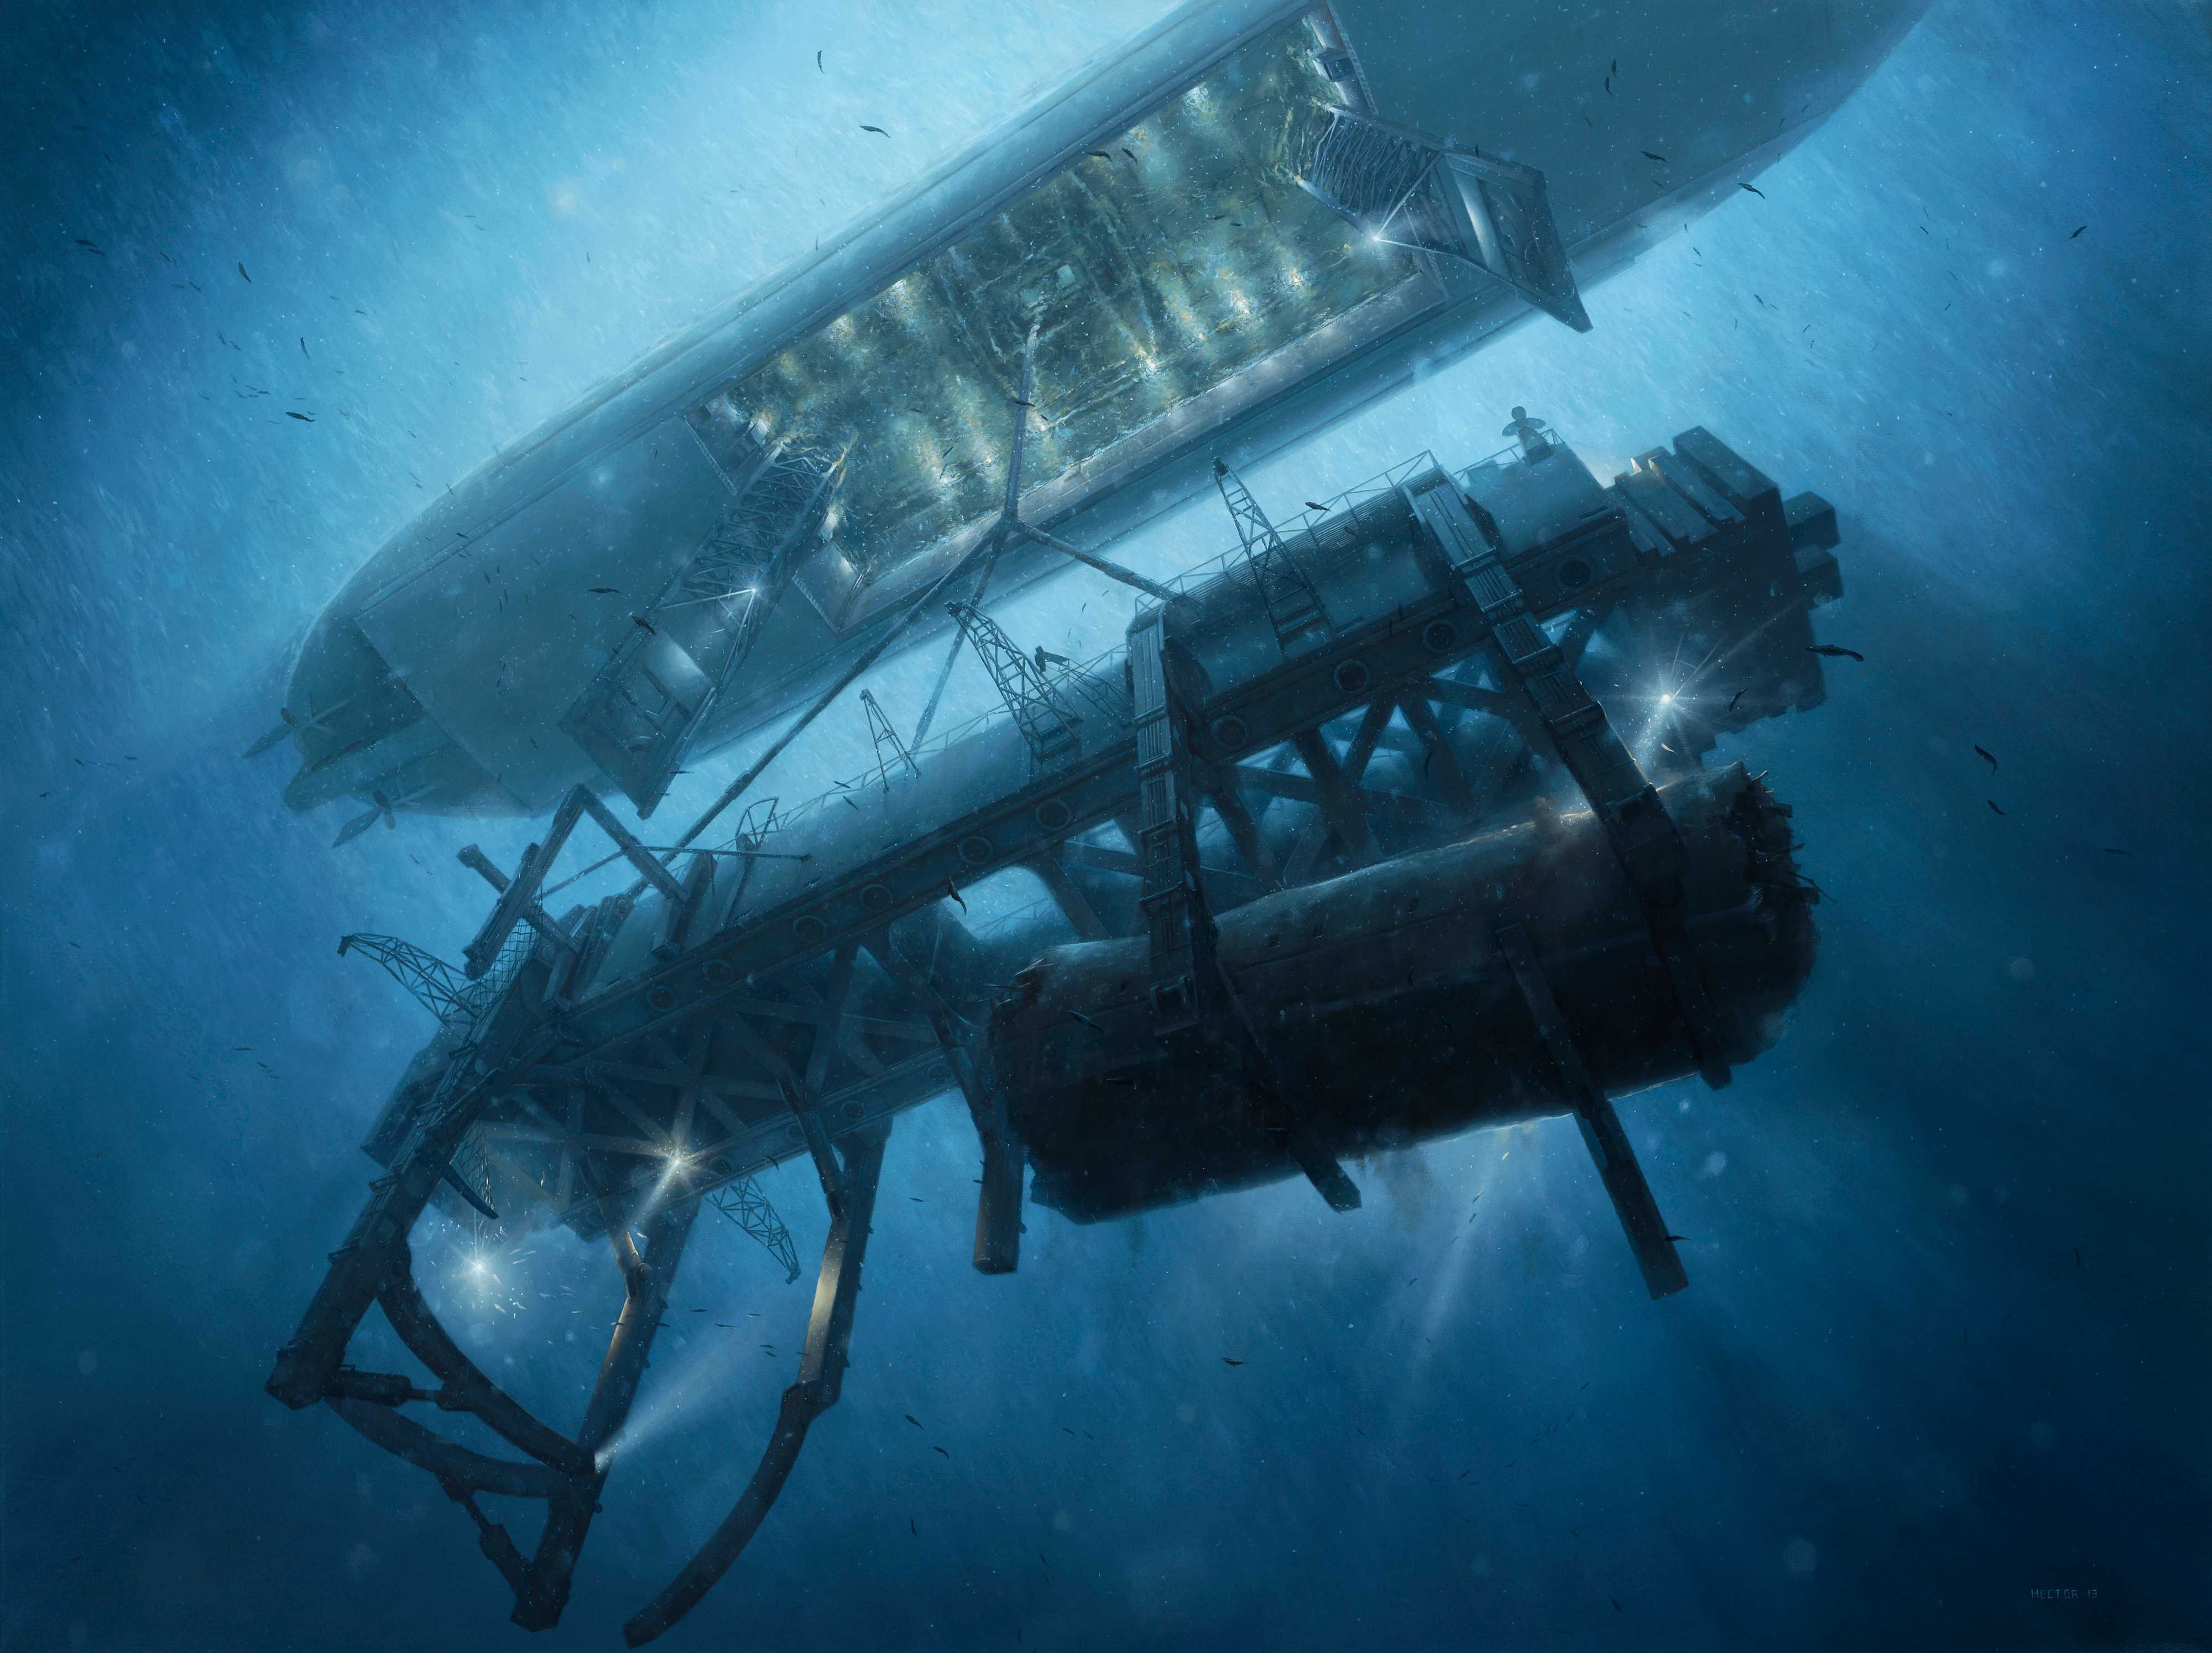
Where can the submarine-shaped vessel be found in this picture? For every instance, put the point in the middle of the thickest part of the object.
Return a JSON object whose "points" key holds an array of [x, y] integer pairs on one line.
{"points": [[1228, 232]]}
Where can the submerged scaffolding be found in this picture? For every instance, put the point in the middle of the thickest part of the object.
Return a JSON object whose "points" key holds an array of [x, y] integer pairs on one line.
{"points": [[790, 994]]}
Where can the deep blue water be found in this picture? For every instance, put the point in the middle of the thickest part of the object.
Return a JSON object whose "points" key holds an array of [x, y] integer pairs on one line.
{"points": [[1945, 1345]]}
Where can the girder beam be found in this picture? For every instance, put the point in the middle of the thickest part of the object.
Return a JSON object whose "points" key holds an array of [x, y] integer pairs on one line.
{"points": [[568, 1516], [726, 978], [821, 1377]]}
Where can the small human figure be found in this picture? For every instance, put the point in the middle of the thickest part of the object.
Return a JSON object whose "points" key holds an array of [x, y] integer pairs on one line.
{"points": [[1533, 434]]}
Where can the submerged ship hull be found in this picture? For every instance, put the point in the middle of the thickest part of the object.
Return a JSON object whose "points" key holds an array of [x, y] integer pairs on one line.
{"points": [[460, 670]]}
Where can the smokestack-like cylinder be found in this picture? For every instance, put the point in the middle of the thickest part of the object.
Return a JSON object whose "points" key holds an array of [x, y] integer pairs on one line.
{"points": [[1388, 1011]]}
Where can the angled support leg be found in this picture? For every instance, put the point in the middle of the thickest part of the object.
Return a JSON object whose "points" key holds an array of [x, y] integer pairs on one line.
{"points": [[453, 1465], [1243, 828], [465, 1387], [820, 1150], [1179, 927], [459, 1473], [1324, 1170], [307, 1363], [1601, 1131], [998, 1208], [1152, 589], [627, 1259], [1626, 804], [635, 853], [1344, 812], [567, 1473], [1066, 895], [824, 1045], [809, 1091], [821, 1375], [1438, 761], [535, 915], [519, 900], [675, 920], [544, 1590], [1321, 1169]]}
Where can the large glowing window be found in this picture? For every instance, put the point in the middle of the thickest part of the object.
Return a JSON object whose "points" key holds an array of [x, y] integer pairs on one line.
{"points": [[1181, 253]]}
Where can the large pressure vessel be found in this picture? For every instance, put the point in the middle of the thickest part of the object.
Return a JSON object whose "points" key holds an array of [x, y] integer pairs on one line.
{"points": [[1384, 1013]]}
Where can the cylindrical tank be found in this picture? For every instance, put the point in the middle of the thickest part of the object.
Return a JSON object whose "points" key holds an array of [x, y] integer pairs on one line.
{"points": [[1387, 1011]]}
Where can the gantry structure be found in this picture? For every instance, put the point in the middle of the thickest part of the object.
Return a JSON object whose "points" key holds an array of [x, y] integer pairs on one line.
{"points": [[1402, 664]]}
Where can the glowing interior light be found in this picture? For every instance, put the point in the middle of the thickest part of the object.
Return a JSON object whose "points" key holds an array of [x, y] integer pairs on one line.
{"points": [[915, 375], [1666, 699]]}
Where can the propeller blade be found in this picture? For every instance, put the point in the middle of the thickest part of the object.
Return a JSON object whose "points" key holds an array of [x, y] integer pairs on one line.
{"points": [[354, 828], [275, 736]]}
